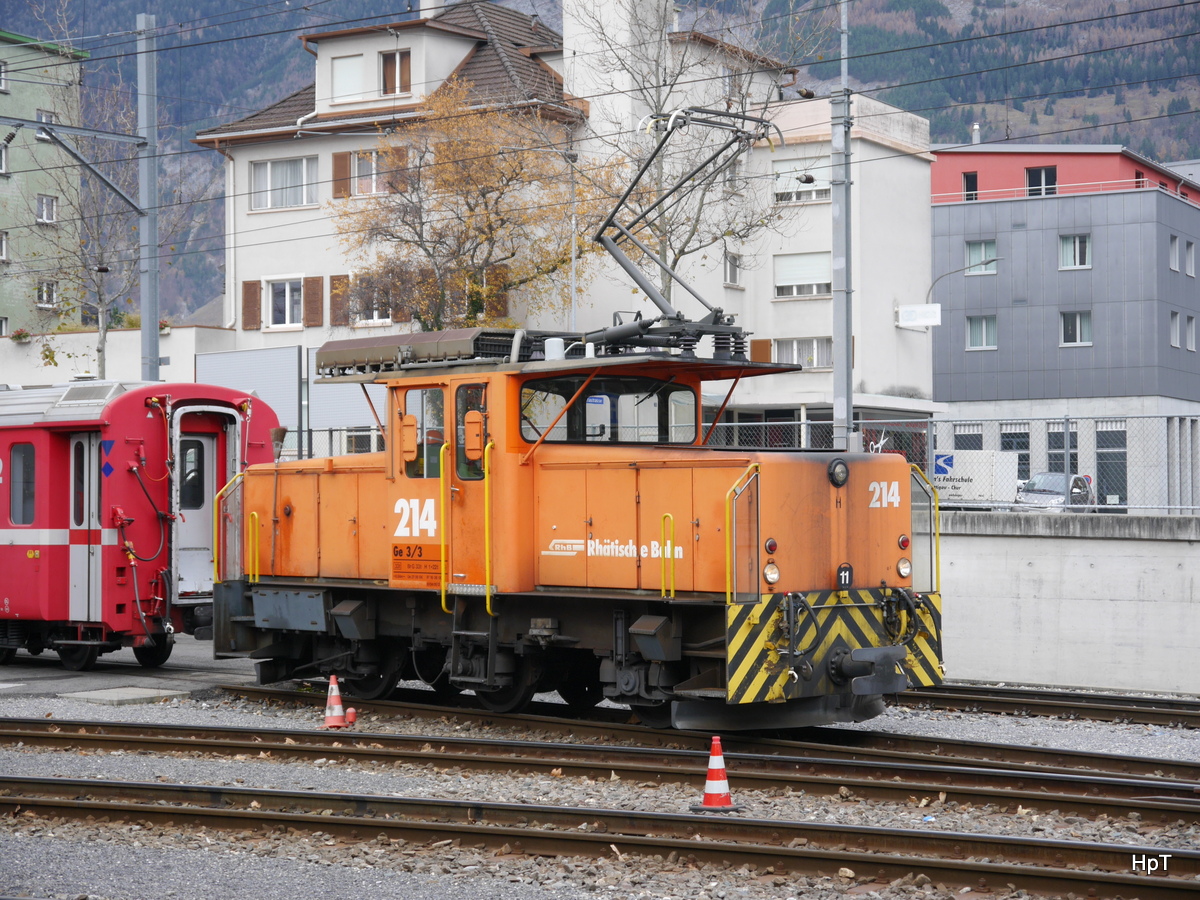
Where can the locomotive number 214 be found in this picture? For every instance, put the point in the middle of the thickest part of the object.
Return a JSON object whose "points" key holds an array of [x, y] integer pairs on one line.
{"points": [[885, 493], [416, 518]]}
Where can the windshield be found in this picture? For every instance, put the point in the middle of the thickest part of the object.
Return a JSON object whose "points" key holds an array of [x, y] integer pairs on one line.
{"points": [[1047, 481], [618, 409]]}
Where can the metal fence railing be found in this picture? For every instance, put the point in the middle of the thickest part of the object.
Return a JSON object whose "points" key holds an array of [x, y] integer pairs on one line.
{"points": [[1146, 464], [1143, 464]]}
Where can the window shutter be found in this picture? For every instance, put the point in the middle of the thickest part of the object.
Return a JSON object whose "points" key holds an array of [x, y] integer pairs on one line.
{"points": [[314, 302], [760, 350], [785, 172], [341, 175], [405, 72], [339, 299], [803, 268], [399, 313], [251, 305]]}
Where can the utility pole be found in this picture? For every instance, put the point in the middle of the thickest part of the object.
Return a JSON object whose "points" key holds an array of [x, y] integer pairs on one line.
{"points": [[844, 436], [147, 113]]}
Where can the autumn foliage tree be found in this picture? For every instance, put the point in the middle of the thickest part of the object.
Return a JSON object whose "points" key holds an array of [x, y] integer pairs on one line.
{"points": [[450, 214]]}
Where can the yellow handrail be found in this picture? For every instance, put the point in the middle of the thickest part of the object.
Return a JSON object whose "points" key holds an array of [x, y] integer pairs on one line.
{"points": [[487, 526], [663, 559], [753, 467], [937, 528], [217, 524], [252, 573], [444, 528]]}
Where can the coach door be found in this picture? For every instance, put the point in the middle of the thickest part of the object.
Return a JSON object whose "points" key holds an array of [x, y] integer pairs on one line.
{"points": [[86, 533], [197, 473]]}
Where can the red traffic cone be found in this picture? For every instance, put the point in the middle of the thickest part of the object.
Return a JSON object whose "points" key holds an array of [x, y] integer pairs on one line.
{"points": [[716, 788], [335, 717]]}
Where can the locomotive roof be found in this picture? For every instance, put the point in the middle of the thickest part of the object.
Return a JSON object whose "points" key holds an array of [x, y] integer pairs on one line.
{"points": [[408, 355]]}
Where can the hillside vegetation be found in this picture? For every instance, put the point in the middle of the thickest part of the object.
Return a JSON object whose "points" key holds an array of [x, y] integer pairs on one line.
{"points": [[1112, 76]]}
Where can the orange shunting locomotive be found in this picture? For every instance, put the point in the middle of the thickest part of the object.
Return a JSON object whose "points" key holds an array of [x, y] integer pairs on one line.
{"points": [[539, 522], [551, 514]]}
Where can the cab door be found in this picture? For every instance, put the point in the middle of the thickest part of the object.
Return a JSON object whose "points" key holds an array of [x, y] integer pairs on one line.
{"points": [[468, 485], [419, 504], [85, 530]]}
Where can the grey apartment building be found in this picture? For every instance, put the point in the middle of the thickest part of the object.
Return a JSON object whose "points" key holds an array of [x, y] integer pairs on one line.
{"points": [[1067, 282]]}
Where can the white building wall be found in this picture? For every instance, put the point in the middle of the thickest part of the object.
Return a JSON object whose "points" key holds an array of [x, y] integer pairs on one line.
{"points": [[891, 246]]}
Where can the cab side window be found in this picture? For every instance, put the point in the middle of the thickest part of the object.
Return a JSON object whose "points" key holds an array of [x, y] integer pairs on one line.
{"points": [[467, 398], [428, 407]]}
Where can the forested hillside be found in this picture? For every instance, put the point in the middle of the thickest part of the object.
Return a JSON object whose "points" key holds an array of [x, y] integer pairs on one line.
{"points": [[1092, 71]]}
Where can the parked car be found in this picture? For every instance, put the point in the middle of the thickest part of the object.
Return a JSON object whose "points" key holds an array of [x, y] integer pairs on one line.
{"points": [[1046, 491]]}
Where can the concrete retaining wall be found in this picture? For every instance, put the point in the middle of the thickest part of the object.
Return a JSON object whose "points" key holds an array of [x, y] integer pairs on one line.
{"points": [[1098, 601]]}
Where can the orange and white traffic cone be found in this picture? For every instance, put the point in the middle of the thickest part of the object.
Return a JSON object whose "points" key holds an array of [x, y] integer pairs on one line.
{"points": [[716, 788], [335, 716]]}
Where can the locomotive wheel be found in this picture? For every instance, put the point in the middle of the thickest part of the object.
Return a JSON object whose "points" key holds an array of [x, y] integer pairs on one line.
{"points": [[78, 657], [582, 690], [153, 657], [7, 654], [656, 716], [373, 687], [512, 698]]}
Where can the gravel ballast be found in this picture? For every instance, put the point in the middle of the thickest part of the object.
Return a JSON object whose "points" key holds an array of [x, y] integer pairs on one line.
{"points": [[122, 862]]}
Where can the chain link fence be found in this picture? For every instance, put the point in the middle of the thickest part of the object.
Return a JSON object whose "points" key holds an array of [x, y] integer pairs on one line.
{"points": [[1144, 464]]}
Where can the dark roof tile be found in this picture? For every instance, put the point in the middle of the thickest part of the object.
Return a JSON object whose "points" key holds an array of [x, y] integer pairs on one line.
{"points": [[497, 69]]}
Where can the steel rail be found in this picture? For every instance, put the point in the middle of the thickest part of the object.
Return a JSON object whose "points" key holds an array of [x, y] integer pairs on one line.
{"points": [[1070, 704], [1034, 864], [1089, 795], [842, 743]]}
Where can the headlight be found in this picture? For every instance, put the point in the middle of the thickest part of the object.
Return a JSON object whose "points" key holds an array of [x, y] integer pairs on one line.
{"points": [[904, 567], [771, 573], [839, 472]]}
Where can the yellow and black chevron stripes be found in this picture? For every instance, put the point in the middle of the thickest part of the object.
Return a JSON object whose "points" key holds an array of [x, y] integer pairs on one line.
{"points": [[755, 671], [924, 660], [826, 622]]}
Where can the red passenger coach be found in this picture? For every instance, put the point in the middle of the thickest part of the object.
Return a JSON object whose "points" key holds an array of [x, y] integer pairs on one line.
{"points": [[106, 512]]}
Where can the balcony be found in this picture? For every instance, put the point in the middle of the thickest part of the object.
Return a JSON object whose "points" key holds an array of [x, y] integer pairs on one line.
{"points": [[1086, 187]]}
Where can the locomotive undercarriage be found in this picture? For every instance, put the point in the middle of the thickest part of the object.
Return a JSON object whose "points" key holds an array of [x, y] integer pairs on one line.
{"points": [[666, 659]]}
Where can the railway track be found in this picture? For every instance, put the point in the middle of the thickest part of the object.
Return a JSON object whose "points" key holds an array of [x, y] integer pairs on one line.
{"points": [[1154, 800], [1064, 704], [974, 860], [839, 743]]}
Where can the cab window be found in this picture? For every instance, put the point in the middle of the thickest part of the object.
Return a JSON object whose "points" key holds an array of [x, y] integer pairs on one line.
{"points": [[613, 408], [467, 397], [428, 407]]}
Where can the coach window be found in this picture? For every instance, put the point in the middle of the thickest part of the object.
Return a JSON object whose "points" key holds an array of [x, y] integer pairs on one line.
{"points": [[191, 487], [21, 471], [467, 397], [613, 408], [427, 407]]}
